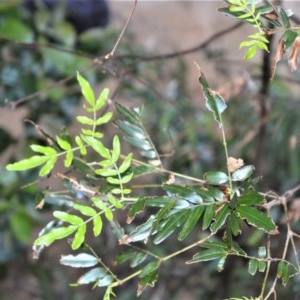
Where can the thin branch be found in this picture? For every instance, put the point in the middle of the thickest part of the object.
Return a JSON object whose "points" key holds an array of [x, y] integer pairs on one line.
{"points": [[201, 46]]}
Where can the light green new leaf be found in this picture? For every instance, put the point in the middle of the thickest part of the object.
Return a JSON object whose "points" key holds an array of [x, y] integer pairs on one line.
{"points": [[49, 165], [85, 120], [97, 146], [63, 144], [214, 102], [69, 159], [116, 151], [79, 142], [82, 260], [92, 133], [126, 163], [79, 237], [109, 214], [85, 210], [206, 255], [256, 218], [68, 218], [102, 99], [97, 225], [46, 150], [55, 234], [104, 119], [106, 172], [86, 89], [250, 52]]}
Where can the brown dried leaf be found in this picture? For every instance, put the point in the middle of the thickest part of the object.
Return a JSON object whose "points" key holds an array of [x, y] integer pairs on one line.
{"points": [[279, 52], [233, 164], [293, 61]]}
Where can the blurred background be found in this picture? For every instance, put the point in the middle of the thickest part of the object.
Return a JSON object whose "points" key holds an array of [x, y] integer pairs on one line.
{"points": [[42, 45]]}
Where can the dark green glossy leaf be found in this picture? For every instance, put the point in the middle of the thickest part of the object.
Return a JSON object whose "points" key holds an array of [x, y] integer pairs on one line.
{"points": [[129, 115], [216, 193], [138, 258], [15, 30], [289, 37], [92, 276], [105, 281], [148, 280], [216, 177], [262, 266], [251, 198], [168, 226], [149, 268], [208, 216], [214, 102], [60, 200], [284, 17], [193, 217], [252, 266], [138, 143], [151, 154], [220, 218], [137, 207], [235, 224], [283, 272], [178, 190], [214, 245], [262, 252], [243, 173], [132, 130], [141, 232], [81, 260], [256, 218], [206, 255]]}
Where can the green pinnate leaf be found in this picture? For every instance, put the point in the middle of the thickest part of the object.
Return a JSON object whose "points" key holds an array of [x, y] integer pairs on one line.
{"points": [[129, 115], [81, 260], [208, 216], [86, 89], [116, 151], [85, 120], [126, 163], [55, 234], [256, 218], [106, 172], [191, 221], [69, 159], [289, 37], [48, 166], [63, 144], [149, 268], [214, 102], [85, 210], [109, 214], [82, 147], [97, 225], [206, 255], [92, 276], [251, 198], [79, 237], [101, 100], [216, 177], [242, 173], [68, 218], [250, 52], [97, 146], [46, 150], [104, 119], [105, 281], [220, 218], [252, 266]]}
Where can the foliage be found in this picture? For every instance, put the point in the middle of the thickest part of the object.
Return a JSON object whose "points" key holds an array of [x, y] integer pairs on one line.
{"points": [[100, 177]]}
